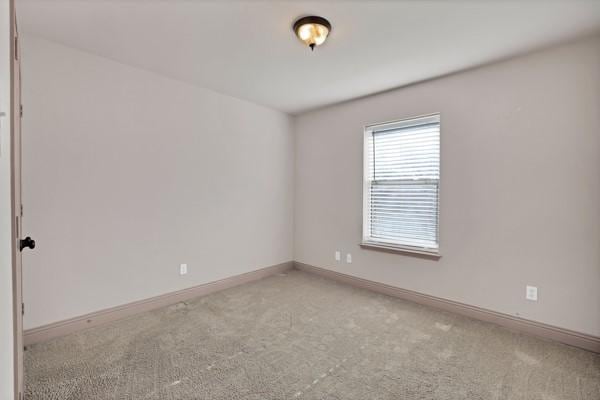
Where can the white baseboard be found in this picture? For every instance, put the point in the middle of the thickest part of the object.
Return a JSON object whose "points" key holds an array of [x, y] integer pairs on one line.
{"points": [[544, 331], [79, 323]]}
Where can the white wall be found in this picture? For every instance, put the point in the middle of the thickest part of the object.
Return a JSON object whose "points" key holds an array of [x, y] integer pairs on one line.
{"points": [[127, 174], [6, 292], [520, 189]]}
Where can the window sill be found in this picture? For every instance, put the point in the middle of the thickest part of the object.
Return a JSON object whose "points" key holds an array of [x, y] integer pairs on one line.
{"points": [[432, 255]]}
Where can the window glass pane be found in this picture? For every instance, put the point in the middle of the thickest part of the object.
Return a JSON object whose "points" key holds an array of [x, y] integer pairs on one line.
{"points": [[403, 172]]}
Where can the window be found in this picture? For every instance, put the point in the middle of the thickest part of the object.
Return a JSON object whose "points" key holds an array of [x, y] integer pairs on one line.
{"points": [[401, 185]]}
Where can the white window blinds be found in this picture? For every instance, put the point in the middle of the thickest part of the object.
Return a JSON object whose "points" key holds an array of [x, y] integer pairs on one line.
{"points": [[401, 184]]}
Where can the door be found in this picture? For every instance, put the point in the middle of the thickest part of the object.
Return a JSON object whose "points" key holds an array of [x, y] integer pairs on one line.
{"points": [[19, 244], [16, 208]]}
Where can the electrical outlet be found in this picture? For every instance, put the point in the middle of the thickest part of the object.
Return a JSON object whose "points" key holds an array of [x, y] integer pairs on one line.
{"points": [[349, 258], [531, 293], [338, 255], [183, 269]]}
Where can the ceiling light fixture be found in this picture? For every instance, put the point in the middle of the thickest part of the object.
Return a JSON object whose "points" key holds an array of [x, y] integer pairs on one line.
{"points": [[312, 30]]}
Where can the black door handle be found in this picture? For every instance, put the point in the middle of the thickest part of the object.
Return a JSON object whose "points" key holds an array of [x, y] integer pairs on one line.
{"points": [[27, 242]]}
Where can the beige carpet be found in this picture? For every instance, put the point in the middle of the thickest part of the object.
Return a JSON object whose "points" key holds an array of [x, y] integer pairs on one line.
{"points": [[298, 336]]}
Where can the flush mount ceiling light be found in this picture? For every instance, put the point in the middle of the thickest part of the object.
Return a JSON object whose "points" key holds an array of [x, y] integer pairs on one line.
{"points": [[312, 30]]}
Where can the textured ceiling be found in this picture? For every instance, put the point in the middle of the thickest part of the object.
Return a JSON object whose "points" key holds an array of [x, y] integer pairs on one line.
{"points": [[247, 48]]}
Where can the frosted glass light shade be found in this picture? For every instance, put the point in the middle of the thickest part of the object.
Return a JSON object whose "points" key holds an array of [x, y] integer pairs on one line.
{"points": [[312, 30]]}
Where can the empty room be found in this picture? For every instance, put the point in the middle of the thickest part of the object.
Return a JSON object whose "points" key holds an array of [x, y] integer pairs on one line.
{"points": [[300, 200]]}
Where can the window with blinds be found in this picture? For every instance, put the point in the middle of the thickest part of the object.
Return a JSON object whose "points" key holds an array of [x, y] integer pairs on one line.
{"points": [[401, 184]]}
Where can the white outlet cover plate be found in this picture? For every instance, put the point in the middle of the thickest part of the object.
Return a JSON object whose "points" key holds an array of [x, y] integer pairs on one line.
{"points": [[349, 258], [338, 256], [531, 293], [183, 269]]}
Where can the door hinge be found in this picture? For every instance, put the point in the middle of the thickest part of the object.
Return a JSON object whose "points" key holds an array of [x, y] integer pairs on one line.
{"points": [[22, 308], [16, 47], [21, 110], [21, 210]]}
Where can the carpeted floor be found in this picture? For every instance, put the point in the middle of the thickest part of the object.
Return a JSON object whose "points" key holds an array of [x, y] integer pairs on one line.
{"points": [[298, 336]]}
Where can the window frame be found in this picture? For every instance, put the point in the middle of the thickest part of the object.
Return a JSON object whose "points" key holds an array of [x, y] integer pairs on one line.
{"points": [[367, 242]]}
